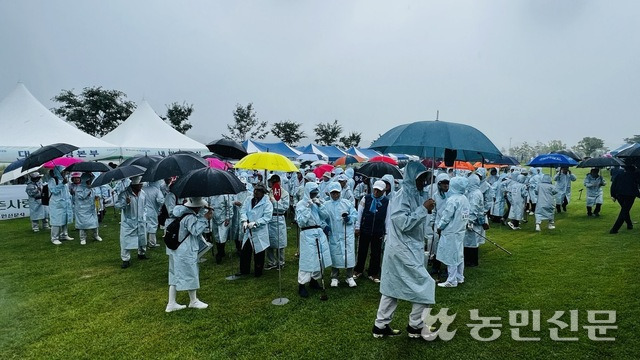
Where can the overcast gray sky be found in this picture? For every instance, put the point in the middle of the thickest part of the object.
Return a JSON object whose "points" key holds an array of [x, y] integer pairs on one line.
{"points": [[518, 70]]}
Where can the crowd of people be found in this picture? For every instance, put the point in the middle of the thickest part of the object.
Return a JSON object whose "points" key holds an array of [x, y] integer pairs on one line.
{"points": [[415, 234]]}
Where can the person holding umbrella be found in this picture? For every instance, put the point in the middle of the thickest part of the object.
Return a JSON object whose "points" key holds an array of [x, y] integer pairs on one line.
{"points": [[371, 229], [37, 211], [563, 181], [60, 209], [314, 247], [222, 214], [183, 262], [545, 193], [403, 273], [342, 216], [84, 208], [255, 215], [279, 198], [624, 190], [154, 199], [594, 183], [131, 203]]}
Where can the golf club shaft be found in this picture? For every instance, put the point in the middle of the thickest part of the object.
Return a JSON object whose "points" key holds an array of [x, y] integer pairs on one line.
{"points": [[484, 237], [324, 290]]}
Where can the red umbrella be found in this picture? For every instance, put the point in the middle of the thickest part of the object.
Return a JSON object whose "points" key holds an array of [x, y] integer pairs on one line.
{"points": [[61, 161], [320, 170], [386, 159]]}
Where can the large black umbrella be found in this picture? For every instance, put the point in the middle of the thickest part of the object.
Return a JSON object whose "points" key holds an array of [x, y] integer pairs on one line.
{"points": [[176, 164], [227, 148], [88, 166], [600, 162], [632, 151], [378, 170], [142, 160], [47, 153], [207, 182], [118, 174], [568, 153], [504, 160]]}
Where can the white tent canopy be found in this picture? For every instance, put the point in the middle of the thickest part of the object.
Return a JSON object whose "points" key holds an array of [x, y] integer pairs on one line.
{"points": [[145, 133], [27, 125]]}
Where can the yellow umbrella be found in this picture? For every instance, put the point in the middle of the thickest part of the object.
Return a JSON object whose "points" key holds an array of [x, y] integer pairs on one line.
{"points": [[266, 161]]}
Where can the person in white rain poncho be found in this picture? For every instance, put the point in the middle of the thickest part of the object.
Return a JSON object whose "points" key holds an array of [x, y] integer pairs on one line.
{"points": [[37, 211], [440, 197], [477, 222], [183, 262], [255, 215], [341, 218], [532, 184], [86, 213], [60, 208], [517, 195], [403, 273], [452, 228], [131, 203], [594, 183], [314, 247], [546, 202], [499, 189], [563, 181], [154, 199], [222, 213], [279, 198]]}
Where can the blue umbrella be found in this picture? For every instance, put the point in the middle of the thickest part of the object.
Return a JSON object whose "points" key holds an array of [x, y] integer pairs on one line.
{"points": [[428, 139], [552, 160], [14, 165]]}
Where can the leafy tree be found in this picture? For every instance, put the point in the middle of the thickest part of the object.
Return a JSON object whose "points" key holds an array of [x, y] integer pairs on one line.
{"points": [[631, 140], [589, 145], [178, 116], [246, 125], [523, 152], [540, 148], [95, 110], [327, 133], [288, 131], [353, 139], [556, 145]]}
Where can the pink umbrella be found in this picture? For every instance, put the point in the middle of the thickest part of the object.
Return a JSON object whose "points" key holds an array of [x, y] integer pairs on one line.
{"points": [[61, 161], [217, 164]]}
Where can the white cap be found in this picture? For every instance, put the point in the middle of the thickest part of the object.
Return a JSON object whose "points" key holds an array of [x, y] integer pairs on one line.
{"points": [[342, 177], [136, 180], [195, 202], [380, 185], [327, 174]]}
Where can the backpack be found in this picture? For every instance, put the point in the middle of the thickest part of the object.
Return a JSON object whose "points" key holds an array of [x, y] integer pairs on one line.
{"points": [[45, 196], [171, 236]]}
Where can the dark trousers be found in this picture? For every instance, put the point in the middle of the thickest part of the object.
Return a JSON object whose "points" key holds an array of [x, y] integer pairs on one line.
{"points": [[245, 260], [626, 202], [363, 248]]}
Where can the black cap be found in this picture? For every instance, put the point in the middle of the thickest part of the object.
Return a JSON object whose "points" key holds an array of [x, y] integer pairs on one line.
{"points": [[260, 187]]}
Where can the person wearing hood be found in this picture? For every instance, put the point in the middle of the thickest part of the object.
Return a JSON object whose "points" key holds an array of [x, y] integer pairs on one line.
{"points": [[236, 231], [498, 204], [594, 183], [371, 229], [361, 189], [133, 233], [563, 180], [403, 273], [154, 199], [314, 247], [222, 213], [532, 185], [345, 191], [440, 197], [484, 188], [517, 194], [351, 183], [390, 185], [477, 222], [60, 208], [545, 193], [452, 228], [37, 211], [255, 216], [326, 180], [85, 211], [279, 198], [341, 218], [75, 182], [493, 176], [184, 274]]}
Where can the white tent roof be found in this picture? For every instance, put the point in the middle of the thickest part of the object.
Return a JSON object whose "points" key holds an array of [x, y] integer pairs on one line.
{"points": [[144, 132], [27, 125]]}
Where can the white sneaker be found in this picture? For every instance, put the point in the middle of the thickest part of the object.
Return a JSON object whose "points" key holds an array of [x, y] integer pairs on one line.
{"points": [[334, 282], [551, 227], [83, 242], [351, 282], [537, 227], [98, 238], [36, 230], [174, 307], [513, 227], [198, 305], [447, 284], [429, 333], [66, 237], [56, 242]]}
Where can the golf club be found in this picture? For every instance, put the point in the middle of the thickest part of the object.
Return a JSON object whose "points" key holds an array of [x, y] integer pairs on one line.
{"points": [[323, 296], [499, 247]]}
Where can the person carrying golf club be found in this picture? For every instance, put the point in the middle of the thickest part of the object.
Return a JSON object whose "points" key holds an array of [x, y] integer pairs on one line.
{"points": [[342, 241], [403, 273], [255, 215], [314, 247]]}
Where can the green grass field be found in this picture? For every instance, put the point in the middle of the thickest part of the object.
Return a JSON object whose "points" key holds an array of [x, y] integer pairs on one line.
{"points": [[74, 302]]}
